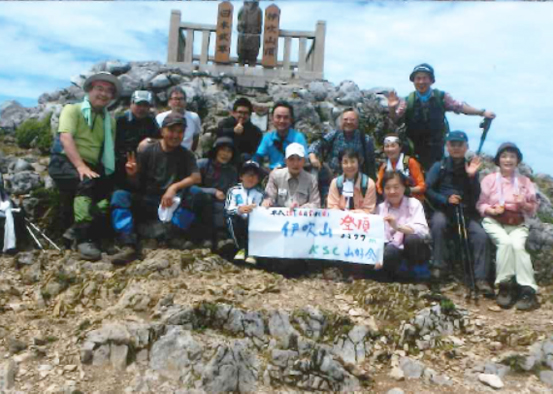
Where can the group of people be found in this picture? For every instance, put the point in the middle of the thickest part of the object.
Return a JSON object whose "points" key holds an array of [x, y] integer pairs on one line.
{"points": [[144, 172]]}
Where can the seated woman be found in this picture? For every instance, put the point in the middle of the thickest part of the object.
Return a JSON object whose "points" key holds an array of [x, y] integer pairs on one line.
{"points": [[506, 199], [352, 190], [405, 225], [398, 161]]}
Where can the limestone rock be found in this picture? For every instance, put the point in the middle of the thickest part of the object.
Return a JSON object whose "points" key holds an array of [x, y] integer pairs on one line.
{"points": [[12, 114], [491, 380], [411, 368], [8, 371], [160, 81], [116, 67], [348, 93]]}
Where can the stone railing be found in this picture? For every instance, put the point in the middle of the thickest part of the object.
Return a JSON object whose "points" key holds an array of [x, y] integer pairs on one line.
{"points": [[309, 66]]}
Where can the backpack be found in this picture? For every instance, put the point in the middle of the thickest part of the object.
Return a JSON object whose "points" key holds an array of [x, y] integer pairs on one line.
{"points": [[364, 184]]}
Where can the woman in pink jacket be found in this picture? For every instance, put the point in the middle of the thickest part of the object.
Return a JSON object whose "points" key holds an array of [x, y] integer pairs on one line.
{"points": [[352, 190], [506, 199]]}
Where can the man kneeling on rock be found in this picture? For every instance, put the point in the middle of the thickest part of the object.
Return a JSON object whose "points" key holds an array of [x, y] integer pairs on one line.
{"points": [[161, 176]]}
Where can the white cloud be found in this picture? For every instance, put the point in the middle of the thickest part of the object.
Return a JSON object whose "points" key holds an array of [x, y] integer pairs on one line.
{"points": [[490, 54]]}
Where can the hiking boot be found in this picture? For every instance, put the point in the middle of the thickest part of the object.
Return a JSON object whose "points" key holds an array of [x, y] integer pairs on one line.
{"points": [[125, 255], [225, 246], [251, 260], [505, 296], [527, 300], [89, 251], [241, 255], [485, 289]]}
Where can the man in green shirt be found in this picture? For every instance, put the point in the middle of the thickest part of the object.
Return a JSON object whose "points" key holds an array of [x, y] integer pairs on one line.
{"points": [[83, 157]]}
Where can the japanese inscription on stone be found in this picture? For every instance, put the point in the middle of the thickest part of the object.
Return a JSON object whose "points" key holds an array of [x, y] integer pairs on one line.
{"points": [[224, 32], [270, 36]]}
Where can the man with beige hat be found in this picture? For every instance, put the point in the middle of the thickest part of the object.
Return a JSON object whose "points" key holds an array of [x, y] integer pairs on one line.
{"points": [[83, 158]]}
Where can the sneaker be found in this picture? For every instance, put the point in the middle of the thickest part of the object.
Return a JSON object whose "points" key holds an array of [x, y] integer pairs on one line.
{"points": [[125, 255], [485, 289], [251, 260], [505, 295], [89, 251], [241, 255], [527, 300]]}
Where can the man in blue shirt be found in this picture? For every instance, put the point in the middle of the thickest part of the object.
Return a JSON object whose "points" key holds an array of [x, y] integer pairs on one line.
{"points": [[274, 144]]}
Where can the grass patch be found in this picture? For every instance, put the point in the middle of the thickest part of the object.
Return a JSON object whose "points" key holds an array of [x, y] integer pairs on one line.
{"points": [[36, 133]]}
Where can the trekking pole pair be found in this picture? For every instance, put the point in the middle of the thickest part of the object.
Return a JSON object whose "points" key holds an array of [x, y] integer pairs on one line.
{"points": [[33, 227], [466, 254]]}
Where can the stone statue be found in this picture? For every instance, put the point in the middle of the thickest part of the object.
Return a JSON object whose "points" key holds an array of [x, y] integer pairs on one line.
{"points": [[250, 19]]}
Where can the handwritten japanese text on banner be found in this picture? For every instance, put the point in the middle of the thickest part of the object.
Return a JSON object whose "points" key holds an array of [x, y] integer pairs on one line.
{"points": [[316, 234]]}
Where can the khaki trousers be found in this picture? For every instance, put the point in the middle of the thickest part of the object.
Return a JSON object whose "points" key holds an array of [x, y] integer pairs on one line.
{"points": [[512, 259]]}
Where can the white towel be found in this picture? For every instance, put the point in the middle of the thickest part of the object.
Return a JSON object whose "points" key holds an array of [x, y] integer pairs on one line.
{"points": [[9, 226], [166, 214]]}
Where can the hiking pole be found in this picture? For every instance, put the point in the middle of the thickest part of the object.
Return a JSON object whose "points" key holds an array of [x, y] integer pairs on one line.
{"points": [[485, 126], [38, 230], [469, 263], [34, 237], [462, 251]]}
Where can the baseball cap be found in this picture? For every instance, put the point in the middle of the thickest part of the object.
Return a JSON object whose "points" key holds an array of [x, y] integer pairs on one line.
{"points": [[173, 118], [250, 165], [425, 68], [142, 96], [295, 149], [457, 135]]}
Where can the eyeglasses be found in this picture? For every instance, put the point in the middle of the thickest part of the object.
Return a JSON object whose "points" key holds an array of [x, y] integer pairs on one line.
{"points": [[177, 99], [102, 89], [244, 113]]}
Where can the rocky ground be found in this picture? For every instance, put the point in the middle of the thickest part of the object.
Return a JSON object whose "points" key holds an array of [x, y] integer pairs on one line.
{"points": [[182, 321]]}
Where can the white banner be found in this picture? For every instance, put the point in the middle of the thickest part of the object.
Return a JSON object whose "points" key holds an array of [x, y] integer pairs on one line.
{"points": [[327, 234]]}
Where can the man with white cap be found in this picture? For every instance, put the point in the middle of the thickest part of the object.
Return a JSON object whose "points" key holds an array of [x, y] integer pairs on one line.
{"points": [[177, 103], [292, 186], [83, 157], [136, 127]]}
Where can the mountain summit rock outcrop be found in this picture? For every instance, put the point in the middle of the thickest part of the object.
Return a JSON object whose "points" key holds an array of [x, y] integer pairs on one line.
{"points": [[189, 321]]}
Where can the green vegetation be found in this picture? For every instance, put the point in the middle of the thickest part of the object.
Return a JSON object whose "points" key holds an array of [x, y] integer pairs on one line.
{"points": [[545, 217], [37, 132]]}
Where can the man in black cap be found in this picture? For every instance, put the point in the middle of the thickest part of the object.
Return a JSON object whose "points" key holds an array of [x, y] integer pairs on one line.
{"points": [[136, 127], [450, 183], [424, 114], [83, 160], [161, 175]]}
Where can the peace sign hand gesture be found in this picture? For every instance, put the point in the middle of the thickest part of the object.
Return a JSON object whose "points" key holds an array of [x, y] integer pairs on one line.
{"points": [[131, 167]]}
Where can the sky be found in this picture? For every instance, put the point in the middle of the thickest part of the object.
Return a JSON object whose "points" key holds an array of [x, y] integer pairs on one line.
{"points": [[493, 55]]}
